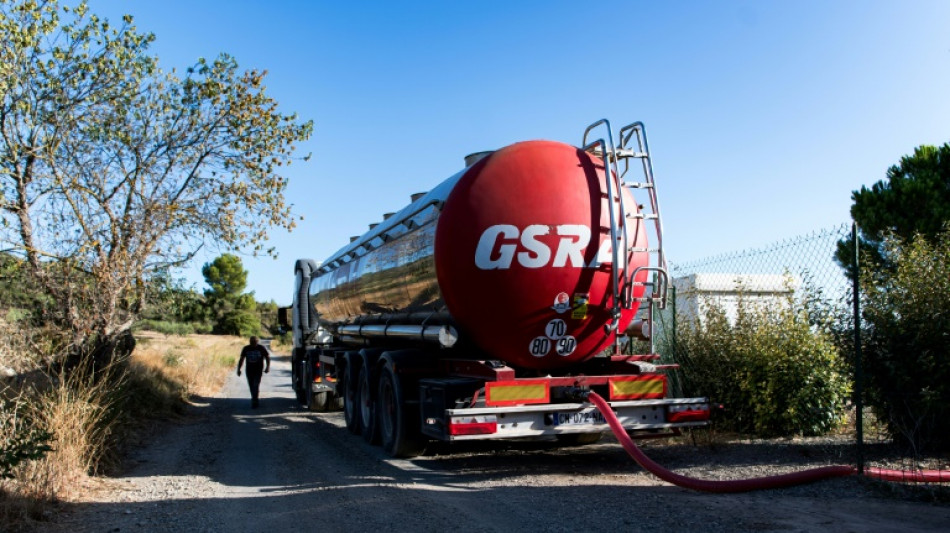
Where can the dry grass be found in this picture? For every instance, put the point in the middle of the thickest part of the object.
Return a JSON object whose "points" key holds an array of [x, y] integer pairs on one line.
{"points": [[79, 414], [198, 363], [88, 420]]}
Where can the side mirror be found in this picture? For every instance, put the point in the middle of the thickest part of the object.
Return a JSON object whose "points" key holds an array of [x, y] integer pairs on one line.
{"points": [[283, 317]]}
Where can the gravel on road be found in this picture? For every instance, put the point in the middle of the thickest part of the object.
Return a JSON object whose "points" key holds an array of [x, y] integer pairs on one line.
{"points": [[231, 468]]}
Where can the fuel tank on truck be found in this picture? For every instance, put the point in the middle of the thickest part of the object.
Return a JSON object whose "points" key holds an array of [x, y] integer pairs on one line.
{"points": [[515, 250]]}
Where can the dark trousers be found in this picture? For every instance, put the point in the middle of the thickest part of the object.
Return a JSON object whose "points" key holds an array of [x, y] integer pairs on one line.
{"points": [[254, 373]]}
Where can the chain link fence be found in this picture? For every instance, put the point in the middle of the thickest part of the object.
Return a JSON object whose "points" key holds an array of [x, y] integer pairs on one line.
{"points": [[809, 260], [799, 270]]}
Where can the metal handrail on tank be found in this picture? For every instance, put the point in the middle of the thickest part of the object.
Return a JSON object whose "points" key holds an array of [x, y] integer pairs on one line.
{"points": [[626, 286], [614, 272], [642, 151], [628, 135], [658, 287], [393, 222], [612, 157]]}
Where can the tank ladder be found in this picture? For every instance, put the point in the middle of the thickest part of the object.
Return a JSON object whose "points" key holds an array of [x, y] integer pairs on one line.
{"points": [[617, 161]]}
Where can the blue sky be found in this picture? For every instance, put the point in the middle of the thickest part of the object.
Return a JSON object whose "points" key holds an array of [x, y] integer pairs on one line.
{"points": [[762, 116]]}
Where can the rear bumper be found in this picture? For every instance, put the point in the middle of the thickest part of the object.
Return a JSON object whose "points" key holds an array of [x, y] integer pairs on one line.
{"points": [[479, 423]]}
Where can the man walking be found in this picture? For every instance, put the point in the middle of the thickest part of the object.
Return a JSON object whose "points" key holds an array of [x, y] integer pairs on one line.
{"points": [[256, 355]]}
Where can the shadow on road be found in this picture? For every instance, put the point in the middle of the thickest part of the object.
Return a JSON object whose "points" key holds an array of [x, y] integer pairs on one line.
{"points": [[234, 468]]}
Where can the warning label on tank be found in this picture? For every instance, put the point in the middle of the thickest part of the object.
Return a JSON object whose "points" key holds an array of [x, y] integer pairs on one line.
{"points": [[540, 346], [562, 303], [579, 307], [555, 329], [555, 334]]}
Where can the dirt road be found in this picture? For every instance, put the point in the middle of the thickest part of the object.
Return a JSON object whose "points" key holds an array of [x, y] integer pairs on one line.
{"points": [[280, 468]]}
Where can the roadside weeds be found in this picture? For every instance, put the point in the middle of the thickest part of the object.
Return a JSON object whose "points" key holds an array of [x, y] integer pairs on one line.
{"points": [[91, 421]]}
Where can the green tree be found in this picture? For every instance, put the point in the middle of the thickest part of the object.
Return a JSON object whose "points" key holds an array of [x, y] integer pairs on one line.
{"points": [[915, 199], [170, 302], [905, 265], [225, 276], [905, 350], [111, 168], [267, 312], [233, 311]]}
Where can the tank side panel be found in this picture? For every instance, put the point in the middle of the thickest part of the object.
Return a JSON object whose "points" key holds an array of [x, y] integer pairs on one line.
{"points": [[393, 262], [397, 276]]}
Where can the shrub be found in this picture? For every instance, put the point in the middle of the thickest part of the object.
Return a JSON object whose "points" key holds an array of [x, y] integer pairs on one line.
{"points": [[774, 372], [165, 327], [283, 339], [173, 358], [21, 438], [238, 322], [79, 414], [906, 353]]}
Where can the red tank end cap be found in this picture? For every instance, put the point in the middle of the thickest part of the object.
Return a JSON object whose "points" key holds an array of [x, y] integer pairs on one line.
{"points": [[523, 257]]}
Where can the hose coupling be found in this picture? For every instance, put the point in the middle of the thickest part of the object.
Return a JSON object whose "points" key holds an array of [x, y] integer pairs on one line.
{"points": [[578, 393]]}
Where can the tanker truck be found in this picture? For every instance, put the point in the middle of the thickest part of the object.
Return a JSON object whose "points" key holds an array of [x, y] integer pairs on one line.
{"points": [[488, 306]]}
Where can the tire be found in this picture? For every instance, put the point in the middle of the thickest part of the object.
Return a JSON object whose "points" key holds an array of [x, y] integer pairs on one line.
{"points": [[317, 402], [351, 411], [298, 379], [399, 429], [336, 403], [579, 439], [367, 402]]}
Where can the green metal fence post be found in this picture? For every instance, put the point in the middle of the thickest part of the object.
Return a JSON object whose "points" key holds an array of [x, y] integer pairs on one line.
{"points": [[672, 301], [858, 373]]}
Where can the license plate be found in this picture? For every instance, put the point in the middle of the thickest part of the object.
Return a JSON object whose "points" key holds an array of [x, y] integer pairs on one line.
{"points": [[579, 418]]}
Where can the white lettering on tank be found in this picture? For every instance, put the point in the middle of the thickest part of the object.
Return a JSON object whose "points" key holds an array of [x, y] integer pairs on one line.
{"points": [[486, 245], [538, 253], [569, 248], [499, 246], [605, 255]]}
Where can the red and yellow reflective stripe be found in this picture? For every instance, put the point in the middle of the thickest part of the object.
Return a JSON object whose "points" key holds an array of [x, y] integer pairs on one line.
{"points": [[519, 392], [637, 387]]}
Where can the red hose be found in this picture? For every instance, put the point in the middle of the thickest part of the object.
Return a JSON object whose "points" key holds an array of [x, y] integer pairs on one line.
{"points": [[917, 476], [737, 485], [768, 482]]}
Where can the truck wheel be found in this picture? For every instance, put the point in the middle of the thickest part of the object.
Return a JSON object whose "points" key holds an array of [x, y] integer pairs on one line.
{"points": [[336, 402], [317, 402], [299, 379], [368, 426], [398, 427], [351, 410], [301, 395]]}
